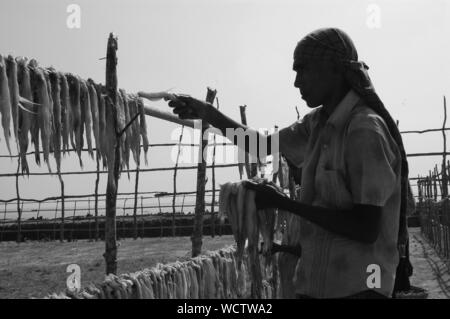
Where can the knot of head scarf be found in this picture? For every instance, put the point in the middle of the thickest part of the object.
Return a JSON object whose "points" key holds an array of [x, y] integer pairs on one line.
{"points": [[335, 45]]}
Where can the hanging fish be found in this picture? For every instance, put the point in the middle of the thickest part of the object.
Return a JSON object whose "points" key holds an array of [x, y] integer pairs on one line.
{"points": [[44, 115], [77, 133], [11, 72], [34, 128], [25, 116], [135, 135], [94, 112], [143, 128], [50, 98], [101, 123], [121, 122], [56, 95], [5, 102], [66, 123], [86, 115], [127, 133], [156, 96]]}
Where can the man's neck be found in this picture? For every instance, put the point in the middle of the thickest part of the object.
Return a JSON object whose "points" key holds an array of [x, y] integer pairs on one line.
{"points": [[330, 105]]}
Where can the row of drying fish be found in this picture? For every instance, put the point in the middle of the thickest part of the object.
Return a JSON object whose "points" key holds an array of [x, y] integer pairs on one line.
{"points": [[60, 111], [212, 276], [247, 223]]}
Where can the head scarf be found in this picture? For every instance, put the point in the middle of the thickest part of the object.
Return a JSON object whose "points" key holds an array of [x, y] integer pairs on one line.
{"points": [[335, 45]]}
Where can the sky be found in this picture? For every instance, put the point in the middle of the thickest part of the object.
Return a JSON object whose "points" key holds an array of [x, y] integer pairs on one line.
{"points": [[241, 48]]}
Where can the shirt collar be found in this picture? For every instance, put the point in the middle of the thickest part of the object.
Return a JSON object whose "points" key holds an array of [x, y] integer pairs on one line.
{"points": [[342, 111]]}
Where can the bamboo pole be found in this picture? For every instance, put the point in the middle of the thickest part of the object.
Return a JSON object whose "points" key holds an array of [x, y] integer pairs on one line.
{"points": [[110, 254], [19, 212], [444, 156], [142, 217], [174, 196], [136, 187], [213, 171], [97, 180], [201, 181], [63, 207], [250, 168], [274, 162]]}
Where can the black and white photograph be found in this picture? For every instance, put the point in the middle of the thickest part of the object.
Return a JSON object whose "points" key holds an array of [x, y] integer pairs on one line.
{"points": [[248, 151]]}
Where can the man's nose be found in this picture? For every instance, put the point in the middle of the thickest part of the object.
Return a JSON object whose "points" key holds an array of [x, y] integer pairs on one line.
{"points": [[297, 82]]}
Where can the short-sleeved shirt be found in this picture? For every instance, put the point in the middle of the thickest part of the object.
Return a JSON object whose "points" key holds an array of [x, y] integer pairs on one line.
{"points": [[348, 159]]}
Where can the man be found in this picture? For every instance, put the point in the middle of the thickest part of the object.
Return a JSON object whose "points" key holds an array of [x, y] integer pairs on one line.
{"points": [[354, 174]]}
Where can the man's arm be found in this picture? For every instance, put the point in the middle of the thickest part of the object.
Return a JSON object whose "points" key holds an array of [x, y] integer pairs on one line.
{"points": [[361, 223], [219, 120], [187, 107]]}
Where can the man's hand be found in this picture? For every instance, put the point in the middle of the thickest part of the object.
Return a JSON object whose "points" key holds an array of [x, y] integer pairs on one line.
{"points": [[187, 107], [267, 195]]}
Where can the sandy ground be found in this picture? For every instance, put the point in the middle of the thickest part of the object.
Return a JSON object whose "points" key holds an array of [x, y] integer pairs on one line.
{"points": [[430, 272], [35, 269]]}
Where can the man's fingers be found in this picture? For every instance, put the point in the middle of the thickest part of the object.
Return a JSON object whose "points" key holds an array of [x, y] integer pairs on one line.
{"points": [[251, 185], [177, 103]]}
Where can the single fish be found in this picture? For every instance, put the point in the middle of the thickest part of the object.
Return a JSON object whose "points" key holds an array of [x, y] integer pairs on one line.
{"points": [[135, 129], [101, 123], [86, 114], [50, 97], [11, 72], [127, 134], [44, 115], [157, 96], [94, 112], [77, 130], [56, 96], [25, 116], [34, 128], [121, 122], [66, 109], [5, 103], [241, 210], [252, 247], [143, 129]]}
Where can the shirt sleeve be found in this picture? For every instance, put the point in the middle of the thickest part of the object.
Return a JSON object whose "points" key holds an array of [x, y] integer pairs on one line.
{"points": [[372, 166], [293, 140]]}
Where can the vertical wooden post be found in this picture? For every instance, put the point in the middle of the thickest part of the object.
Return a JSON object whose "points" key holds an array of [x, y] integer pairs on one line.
{"points": [[250, 168], [73, 222], [444, 157], [142, 216], [213, 171], [174, 195], [136, 187], [97, 180], [201, 181], [63, 207], [19, 211], [54, 220], [110, 254], [275, 162], [182, 203]]}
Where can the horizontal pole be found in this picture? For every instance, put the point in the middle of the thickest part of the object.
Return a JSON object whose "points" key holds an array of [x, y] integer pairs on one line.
{"points": [[124, 171], [167, 116], [426, 131], [427, 154], [149, 145]]}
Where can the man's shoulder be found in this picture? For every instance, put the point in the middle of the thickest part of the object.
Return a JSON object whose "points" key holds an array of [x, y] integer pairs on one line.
{"points": [[364, 117]]}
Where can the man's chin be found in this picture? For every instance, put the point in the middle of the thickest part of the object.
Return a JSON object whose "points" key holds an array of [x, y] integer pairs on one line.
{"points": [[311, 104]]}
